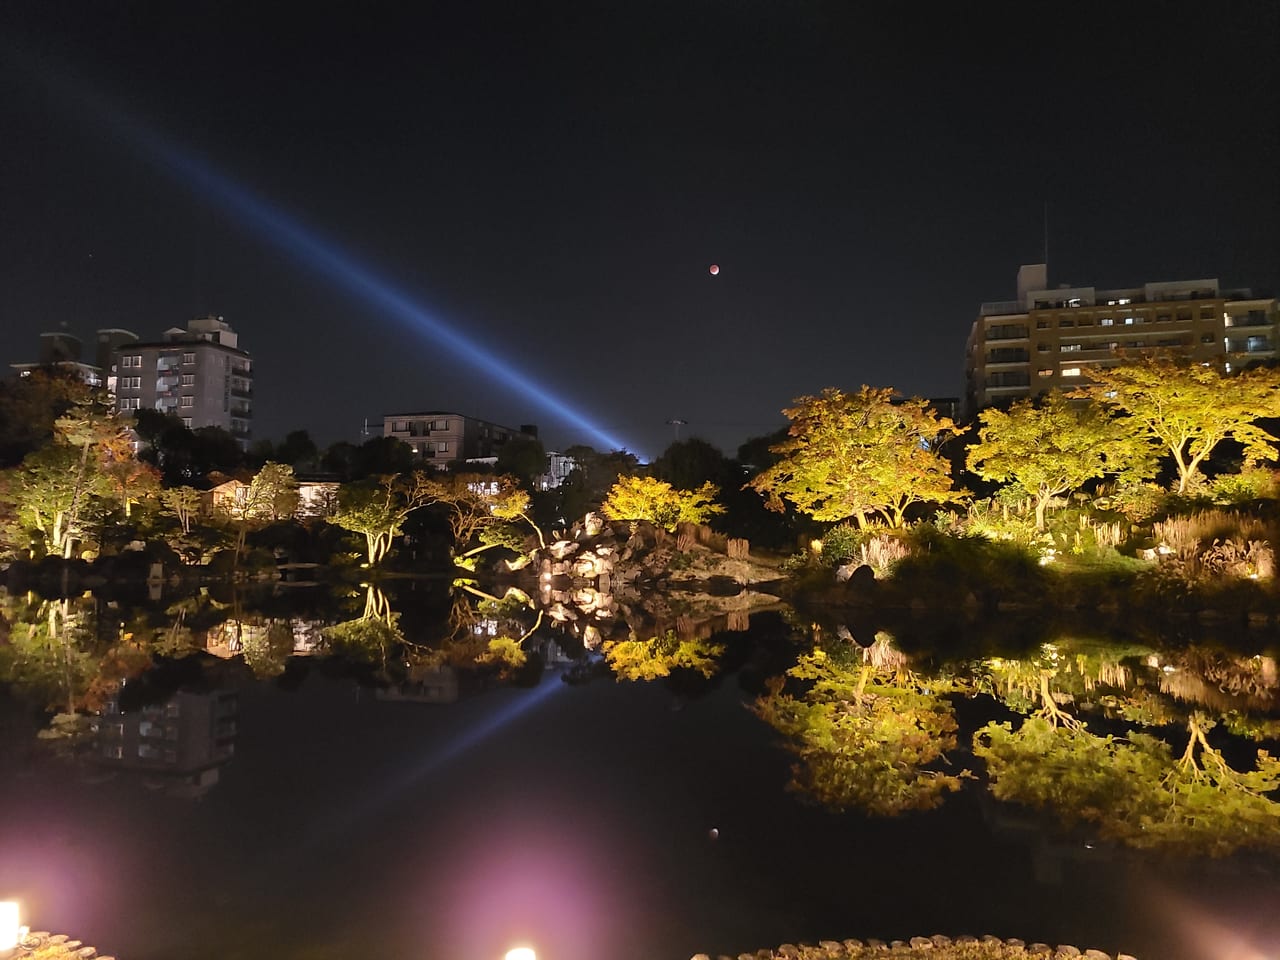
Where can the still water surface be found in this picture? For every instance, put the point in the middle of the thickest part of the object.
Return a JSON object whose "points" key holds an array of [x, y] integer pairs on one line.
{"points": [[574, 816]]}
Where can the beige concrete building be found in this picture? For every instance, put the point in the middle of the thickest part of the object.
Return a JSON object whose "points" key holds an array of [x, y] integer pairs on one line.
{"points": [[1046, 338], [199, 374], [441, 437]]}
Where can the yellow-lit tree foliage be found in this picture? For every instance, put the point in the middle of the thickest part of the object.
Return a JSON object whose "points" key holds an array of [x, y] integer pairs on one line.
{"points": [[377, 509], [859, 454], [1051, 446], [647, 498], [1188, 408]]}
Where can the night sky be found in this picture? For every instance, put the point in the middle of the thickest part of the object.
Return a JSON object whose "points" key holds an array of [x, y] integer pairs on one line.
{"points": [[554, 180]]}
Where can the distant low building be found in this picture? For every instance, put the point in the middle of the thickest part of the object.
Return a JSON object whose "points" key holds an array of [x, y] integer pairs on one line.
{"points": [[442, 437], [61, 350]]}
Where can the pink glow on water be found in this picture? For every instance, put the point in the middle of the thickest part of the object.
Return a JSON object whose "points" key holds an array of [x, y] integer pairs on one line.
{"points": [[514, 882]]}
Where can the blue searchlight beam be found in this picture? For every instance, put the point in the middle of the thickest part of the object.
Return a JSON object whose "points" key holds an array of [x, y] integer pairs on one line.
{"points": [[321, 256]]}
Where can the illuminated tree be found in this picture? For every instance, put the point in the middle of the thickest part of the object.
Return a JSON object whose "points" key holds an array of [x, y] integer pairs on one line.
{"points": [[29, 405], [646, 498], [52, 498], [184, 503], [857, 455], [1052, 446], [1188, 409], [378, 508], [129, 479], [865, 736], [271, 495]]}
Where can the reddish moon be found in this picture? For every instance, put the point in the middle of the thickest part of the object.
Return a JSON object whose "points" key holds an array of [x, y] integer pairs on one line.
{"points": [[713, 269]]}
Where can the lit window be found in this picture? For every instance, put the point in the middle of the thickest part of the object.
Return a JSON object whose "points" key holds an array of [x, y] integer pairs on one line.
{"points": [[1071, 371], [186, 422], [1070, 348], [1107, 321], [188, 379], [187, 402], [189, 358], [1044, 372], [1128, 321]]}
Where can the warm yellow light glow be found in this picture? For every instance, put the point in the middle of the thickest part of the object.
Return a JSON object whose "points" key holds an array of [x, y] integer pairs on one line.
{"points": [[815, 546], [521, 953], [9, 930]]}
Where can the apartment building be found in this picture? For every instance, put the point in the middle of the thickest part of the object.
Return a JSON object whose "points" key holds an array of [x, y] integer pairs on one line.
{"points": [[441, 437], [1047, 338], [199, 374]]}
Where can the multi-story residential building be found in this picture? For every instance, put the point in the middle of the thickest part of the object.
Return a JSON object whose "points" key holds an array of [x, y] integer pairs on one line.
{"points": [[1046, 338], [442, 438], [199, 374]]}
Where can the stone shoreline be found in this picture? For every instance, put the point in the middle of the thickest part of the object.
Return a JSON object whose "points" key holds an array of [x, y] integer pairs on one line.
{"points": [[50, 946], [933, 948]]}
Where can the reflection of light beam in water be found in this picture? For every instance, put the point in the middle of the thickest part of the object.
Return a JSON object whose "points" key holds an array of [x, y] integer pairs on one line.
{"points": [[411, 771], [319, 255]]}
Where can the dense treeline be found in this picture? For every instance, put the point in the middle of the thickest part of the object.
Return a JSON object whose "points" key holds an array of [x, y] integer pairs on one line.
{"points": [[1138, 442]]}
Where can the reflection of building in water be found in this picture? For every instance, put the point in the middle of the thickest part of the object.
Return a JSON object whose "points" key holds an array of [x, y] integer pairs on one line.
{"points": [[437, 685], [230, 638], [184, 740]]}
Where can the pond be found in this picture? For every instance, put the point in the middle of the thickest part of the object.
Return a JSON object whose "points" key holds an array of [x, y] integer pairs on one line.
{"points": [[223, 776]]}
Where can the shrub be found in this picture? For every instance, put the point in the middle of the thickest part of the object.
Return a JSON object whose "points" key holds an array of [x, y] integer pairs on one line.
{"points": [[1250, 484]]}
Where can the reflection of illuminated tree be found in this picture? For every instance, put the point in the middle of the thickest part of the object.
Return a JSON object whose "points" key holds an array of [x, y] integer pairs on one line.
{"points": [[372, 635], [865, 737], [656, 658], [1130, 789], [54, 653], [266, 647]]}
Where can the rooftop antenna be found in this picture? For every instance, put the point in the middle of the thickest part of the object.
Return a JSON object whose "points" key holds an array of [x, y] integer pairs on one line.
{"points": [[364, 431], [676, 423], [1046, 243]]}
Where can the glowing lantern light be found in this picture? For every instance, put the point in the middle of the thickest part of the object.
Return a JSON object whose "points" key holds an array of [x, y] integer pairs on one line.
{"points": [[10, 932], [521, 953], [713, 269]]}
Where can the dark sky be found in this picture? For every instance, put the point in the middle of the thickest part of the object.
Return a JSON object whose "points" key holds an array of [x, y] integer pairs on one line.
{"points": [[554, 180]]}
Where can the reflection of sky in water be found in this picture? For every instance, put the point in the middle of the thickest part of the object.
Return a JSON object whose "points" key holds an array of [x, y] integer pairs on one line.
{"points": [[574, 818]]}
